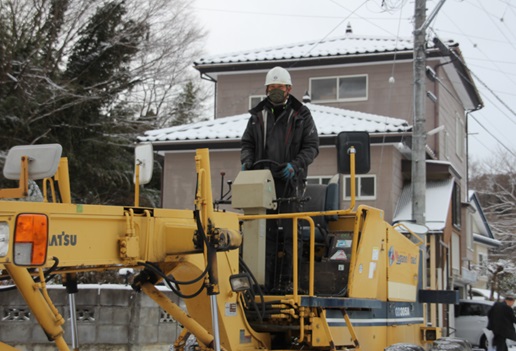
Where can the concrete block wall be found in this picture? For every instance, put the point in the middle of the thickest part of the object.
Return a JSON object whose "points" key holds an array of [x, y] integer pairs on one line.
{"points": [[109, 317]]}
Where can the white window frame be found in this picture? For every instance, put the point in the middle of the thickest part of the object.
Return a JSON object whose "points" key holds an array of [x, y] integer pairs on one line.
{"points": [[318, 179], [359, 178], [251, 97], [337, 97], [455, 252], [482, 263]]}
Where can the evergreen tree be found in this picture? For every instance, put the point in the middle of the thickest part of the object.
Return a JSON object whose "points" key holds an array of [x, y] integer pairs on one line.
{"points": [[91, 75], [92, 135], [187, 106]]}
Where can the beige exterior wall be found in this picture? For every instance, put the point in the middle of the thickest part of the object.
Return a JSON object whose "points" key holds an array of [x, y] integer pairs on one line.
{"points": [[451, 116], [234, 90], [179, 178], [384, 98], [385, 164]]}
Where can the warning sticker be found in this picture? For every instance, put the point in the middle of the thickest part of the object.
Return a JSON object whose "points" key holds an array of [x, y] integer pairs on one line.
{"points": [[339, 255], [375, 254], [372, 269], [231, 309], [244, 339]]}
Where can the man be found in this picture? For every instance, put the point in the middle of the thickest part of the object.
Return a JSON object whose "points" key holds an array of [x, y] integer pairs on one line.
{"points": [[501, 321], [281, 133]]}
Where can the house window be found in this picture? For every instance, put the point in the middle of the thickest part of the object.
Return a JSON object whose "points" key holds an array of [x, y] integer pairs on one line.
{"points": [[445, 145], [469, 220], [460, 135], [482, 264], [347, 88], [455, 252], [318, 180], [365, 187], [456, 206], [255, 100]]}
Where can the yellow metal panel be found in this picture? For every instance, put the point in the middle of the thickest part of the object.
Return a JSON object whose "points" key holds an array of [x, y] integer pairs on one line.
{"points": [[368, 277], [129, 247], [410, 334], [85, 239], [343, 224], [401, 291], [370, 337], [403, 261], [320, 332]]}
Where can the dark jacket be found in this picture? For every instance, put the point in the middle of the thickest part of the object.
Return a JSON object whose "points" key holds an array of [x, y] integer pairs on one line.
{"points": [[290, 137], [501, 320]]}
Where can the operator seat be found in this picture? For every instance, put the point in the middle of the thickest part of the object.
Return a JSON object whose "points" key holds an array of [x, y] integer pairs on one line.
{"points": [[322, 197]]}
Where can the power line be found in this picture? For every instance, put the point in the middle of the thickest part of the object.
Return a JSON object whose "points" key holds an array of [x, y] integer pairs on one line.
{"points": [[494, 94], [501, 103], [338, 25], [266, 13], [491, 134], [478, 122], [509, 41]]}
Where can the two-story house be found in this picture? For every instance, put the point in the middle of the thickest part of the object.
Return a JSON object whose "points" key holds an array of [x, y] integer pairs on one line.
{"points": [[354, 83]]}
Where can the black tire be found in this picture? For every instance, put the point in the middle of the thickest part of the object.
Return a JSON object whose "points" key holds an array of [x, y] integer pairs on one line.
{"points": [[451, 344], [404, 347], [483, 342]]}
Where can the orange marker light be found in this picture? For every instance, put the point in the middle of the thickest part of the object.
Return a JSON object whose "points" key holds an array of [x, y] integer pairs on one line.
{"points": [[30, 239]]}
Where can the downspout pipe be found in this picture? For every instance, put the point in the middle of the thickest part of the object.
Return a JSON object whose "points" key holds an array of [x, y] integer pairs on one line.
{"points": [[209, 78]]}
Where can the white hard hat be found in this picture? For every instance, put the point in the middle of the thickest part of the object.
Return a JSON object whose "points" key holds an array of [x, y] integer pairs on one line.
{"points": [[278, 75]]}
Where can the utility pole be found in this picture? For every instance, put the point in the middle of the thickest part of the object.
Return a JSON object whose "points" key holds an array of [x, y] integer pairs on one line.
{"points": [[418, 182], [419, 139], [419, 128]]}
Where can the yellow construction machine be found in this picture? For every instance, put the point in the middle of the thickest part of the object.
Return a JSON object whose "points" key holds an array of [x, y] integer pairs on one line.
{"points": [[362, 289]]}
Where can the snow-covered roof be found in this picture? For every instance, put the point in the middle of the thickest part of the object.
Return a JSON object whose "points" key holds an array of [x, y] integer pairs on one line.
{"points": [[480, 226], [483, 294], [348, 45], [329, 121], [437, 204]]}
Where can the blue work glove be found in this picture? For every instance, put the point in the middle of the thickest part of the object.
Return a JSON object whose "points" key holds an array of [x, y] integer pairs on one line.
{"points": [[246, 166], [288, 172]]}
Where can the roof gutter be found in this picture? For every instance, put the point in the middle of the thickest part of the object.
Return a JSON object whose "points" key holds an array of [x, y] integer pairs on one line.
{"points": [[488, 241]]}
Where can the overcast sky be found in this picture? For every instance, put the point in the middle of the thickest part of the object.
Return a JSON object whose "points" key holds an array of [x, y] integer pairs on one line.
{"points": [[485, 30]]}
